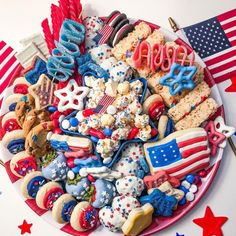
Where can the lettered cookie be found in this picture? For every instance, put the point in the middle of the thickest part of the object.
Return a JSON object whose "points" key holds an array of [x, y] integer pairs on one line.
{"points": [[36, 141], [25, 105], [48, 194], [63, 208], [84, 217], [31, 184], [33, 118], [22, 164]]}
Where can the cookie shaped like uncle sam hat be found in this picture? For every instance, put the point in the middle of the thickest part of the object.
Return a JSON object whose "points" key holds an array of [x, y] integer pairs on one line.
{"points": [[180, 153]]}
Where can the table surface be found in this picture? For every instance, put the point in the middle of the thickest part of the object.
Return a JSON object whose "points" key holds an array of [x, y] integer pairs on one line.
{"points": [[21, 18]]}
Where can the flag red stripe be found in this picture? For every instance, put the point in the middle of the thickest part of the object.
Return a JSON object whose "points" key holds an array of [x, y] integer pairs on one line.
{"points": [[208, 77], [191, 151], [191, 141], [223, 67], [183, 43], [220, 58], [224, 77], [231, 33], [229, 25], [7, 66], [233, 43], [5, 54], [188, 163], [227, 15], [7, 80], [2, 44], [194, 169]]}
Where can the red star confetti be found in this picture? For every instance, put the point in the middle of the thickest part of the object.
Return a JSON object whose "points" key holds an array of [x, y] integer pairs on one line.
{"points": [[211, 224], [232, 87], [25, 227]]}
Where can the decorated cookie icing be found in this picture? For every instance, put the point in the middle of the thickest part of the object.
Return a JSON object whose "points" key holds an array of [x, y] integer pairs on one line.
{"points": [[35, 184]]}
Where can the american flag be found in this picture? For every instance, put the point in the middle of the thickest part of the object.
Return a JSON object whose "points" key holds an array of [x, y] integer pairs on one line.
{"points": [[8, 65], [181, 155], [215, 42], [103, 34], [104, 103]]}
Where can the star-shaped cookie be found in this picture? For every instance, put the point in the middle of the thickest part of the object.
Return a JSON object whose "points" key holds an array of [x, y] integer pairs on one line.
{"points": [[42, 92], [71, 97], [138, 220], [179, 78]]}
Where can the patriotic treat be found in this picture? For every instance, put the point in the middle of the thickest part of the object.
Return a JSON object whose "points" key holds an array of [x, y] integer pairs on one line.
{"points": [[111, 124]]}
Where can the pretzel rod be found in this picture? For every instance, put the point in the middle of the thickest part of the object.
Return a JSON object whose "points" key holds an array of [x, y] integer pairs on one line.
{"points": [[2, 163], [48, 35]]}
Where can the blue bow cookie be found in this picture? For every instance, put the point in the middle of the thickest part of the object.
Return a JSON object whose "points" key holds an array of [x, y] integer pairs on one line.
{"points": [[163, 204]]}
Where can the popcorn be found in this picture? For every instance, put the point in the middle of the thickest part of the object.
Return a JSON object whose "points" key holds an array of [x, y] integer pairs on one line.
{"points": [[89, 80], [120, 72], [120, 133], [94, 121], [141, 120], [99, 84], [122, 102], [123, 88], [107, 120], [83, 128], [111, 88], [137, 86], [145, 133], [122, 119], [135, 107]]}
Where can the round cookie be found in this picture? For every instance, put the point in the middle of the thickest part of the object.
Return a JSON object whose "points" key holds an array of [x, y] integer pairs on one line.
{"points": [[154, 106], [165, 126], [14, 141], [25, 105], [63, 208], [122, 33], [9, 122], [21, 80], [12, 101], [48, 194], [36, 141], [31, 184], [33, 118], [79, 220], [21, 164]]}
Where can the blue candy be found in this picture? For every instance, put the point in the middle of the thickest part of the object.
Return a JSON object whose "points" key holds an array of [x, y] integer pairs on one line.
{"points": [[182, 201], [94, 139], [12, 107], [190, 178], [169, 127], [143, 164], [52, 109], [89, 162], [74, 121], [179, 78], [181, 187], [107, 131]]}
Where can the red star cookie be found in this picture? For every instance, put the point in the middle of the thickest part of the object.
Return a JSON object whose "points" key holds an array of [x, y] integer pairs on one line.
{"points": [[25, 227], [211, 224]]}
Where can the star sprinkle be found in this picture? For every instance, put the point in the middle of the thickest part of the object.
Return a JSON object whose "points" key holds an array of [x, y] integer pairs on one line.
{"points": [[179, 78], [71, 97], [138, 220], [215, 138], [220, 127], [33, 72], [25, 227], [42, 92], [210, 224], [232, 87]]}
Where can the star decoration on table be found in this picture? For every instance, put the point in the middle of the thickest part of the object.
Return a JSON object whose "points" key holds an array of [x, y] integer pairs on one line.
{"points": [[215, 138], [179, 78], [33, 72], [211, 224], [42, 92], [222, 128], [71, 97], [25, 227], [232, 87]]}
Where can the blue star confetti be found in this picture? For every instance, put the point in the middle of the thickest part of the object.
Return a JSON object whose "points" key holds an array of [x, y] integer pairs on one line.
{"points": [[179, 78], [177, 234]]}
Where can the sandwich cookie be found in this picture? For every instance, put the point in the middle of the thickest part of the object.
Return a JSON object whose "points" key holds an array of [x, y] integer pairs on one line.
{"points": [[20, 85], [14, 141], [48, 194], [63, 208], [9, 122], [22, 164], [12, 100], [31, 184], [84, 217]]}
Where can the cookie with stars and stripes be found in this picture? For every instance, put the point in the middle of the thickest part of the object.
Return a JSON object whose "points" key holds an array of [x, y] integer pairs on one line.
{"points": [[180, 153]]}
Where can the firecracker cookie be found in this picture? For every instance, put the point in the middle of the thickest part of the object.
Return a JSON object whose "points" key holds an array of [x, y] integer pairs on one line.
{"points": [[63, 208], [36, 140], [33, 118], [84, 217], [23, 106], [31, 184], [21, 164], [48, 194]]}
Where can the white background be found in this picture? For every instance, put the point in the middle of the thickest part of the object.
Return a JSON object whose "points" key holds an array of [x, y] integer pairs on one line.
{"points": [[19, 18]]}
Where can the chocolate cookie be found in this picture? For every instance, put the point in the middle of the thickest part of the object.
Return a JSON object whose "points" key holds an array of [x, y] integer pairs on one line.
{"points": [[25, 105], [33, 118], [36, 141]]}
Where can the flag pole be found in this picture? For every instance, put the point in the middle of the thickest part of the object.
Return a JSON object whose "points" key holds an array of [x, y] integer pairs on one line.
{"points": [[175, 28], [1, 163]]}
